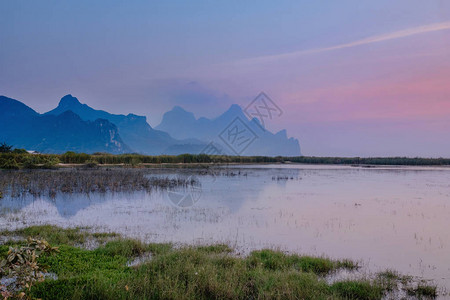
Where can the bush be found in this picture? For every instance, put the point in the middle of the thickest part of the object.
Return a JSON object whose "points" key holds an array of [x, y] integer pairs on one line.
{"points": [[10, 164], [19, 151], [22, 265], [91, 164], [5, 148], [30, 162], [51, 162]]}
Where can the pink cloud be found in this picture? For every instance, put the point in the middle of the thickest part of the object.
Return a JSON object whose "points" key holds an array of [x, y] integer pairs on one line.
{"points": [[386, 98]]}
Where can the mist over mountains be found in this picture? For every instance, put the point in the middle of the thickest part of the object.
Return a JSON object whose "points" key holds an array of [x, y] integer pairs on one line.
{"points": [[182, 124], [73, 126]]}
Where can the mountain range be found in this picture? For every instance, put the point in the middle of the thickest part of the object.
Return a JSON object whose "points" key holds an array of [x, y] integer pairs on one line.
{"points": [[73, 126]]}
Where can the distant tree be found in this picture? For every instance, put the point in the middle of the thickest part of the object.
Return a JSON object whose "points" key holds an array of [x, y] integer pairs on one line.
{"points": [[19, 151], [5, 148]]}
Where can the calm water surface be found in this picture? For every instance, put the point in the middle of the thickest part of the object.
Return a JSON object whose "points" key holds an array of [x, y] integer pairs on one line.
{"points": [[397, 218]]}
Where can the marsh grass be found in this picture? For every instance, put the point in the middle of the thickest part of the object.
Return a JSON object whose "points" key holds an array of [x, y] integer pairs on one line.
{"points": [[423, 290], [51, 182], [192, 272], [277, 260], [60, 236]]}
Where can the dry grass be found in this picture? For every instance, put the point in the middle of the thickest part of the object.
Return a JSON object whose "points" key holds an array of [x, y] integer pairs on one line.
{"points": [[50, 182]]}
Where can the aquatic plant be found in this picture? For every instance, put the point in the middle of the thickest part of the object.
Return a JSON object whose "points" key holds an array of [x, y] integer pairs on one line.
{"points": [[50, 182], [22, 266]]}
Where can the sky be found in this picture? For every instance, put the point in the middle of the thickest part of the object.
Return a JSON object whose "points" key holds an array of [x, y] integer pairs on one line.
{"points": [[352, 78]]}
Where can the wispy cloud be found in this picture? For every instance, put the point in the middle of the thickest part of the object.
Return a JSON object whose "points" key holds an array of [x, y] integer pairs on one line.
{"points": [[365, 41]]}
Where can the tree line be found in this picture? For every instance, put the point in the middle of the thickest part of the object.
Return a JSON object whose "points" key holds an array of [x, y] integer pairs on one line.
{"points": [[19, 158]]}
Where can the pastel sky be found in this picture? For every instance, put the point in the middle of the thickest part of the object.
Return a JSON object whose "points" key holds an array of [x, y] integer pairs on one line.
{"points": [[353, 78]]}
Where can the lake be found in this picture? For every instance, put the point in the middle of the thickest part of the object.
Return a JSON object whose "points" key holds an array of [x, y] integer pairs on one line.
{"points": [[385, 217]]}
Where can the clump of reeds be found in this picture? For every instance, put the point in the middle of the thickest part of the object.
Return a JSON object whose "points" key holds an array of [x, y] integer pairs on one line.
{"points": [[51, 182]]}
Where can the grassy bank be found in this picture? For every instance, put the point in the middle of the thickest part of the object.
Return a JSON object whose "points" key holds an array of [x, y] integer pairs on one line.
{"points": [[30, 161], [201, 272]]}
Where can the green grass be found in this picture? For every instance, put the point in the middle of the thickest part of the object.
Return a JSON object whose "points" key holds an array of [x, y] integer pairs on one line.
{"points": [[59, 236], [423, 290], [277, 260], [364, 290], [186, 273], [189, 272]]}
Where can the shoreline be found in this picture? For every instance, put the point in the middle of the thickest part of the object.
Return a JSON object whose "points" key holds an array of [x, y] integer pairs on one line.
{"points": [[127, 261], [30, 161]]}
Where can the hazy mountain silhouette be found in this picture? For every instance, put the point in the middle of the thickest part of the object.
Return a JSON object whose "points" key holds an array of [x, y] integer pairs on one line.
{"points": [[181, 124], [73, 126], [133, 129], [22, 127]]}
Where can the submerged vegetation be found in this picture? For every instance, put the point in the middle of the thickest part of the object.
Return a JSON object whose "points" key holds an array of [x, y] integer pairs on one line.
{"points": [[192, 272], [51, 182]]}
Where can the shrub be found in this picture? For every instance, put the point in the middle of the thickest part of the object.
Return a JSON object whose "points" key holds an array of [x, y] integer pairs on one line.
{"points": [[5, 148], [9, 164], [22, 265], [91, 164], [51, 162], [30, 162], [19, 151]]}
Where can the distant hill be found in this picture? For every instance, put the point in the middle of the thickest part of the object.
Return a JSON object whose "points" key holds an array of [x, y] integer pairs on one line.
{"points": [[182, 124], [73, 126], [22, 127], [134, 129]]}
